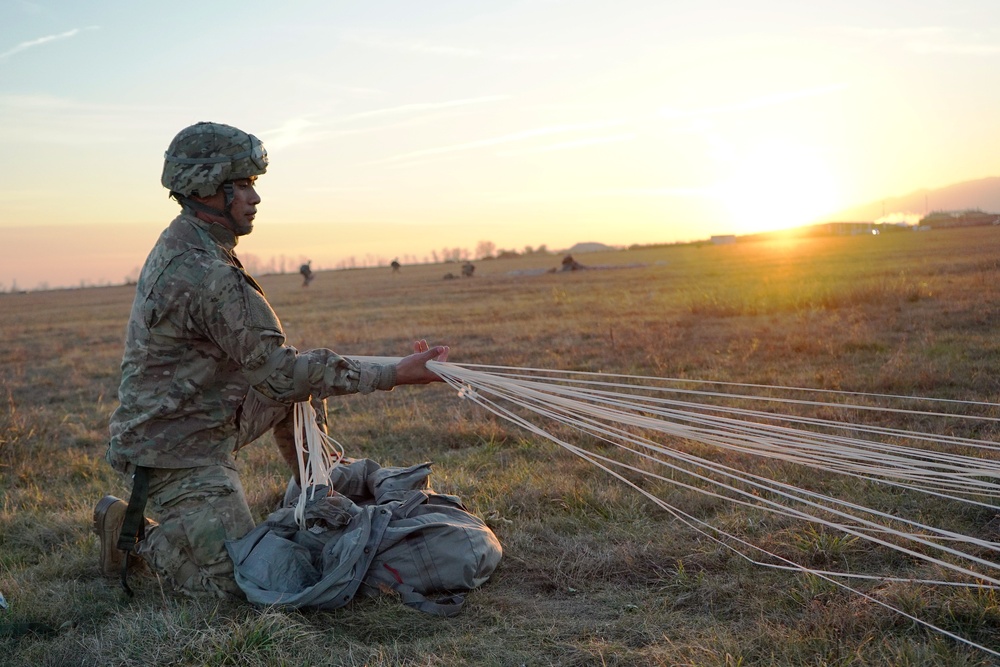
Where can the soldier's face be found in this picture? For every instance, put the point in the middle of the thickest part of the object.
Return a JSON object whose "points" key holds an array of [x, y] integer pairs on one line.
{"points": [[242, 211], [244, 208]]}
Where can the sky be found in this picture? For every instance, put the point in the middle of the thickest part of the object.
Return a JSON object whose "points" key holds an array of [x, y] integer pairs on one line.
{"points": [[412, 128]]}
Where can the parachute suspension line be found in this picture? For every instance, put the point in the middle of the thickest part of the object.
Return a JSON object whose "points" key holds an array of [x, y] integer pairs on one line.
{"points": [[317, 454], [525, 372], [620, 414]]}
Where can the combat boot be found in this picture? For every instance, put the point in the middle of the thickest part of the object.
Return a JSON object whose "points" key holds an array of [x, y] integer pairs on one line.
{"points": [[108, 518]]}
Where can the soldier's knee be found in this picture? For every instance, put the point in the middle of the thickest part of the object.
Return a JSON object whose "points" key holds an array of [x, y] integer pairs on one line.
{"points": [[190, 571], [216, 580]]}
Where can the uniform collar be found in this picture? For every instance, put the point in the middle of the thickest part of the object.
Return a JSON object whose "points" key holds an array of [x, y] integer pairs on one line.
{"points": [[220, 234]]}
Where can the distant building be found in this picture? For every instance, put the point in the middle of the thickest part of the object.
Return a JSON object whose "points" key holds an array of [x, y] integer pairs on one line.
{"points": [[967, 218], [723, 239], [849, 228]]}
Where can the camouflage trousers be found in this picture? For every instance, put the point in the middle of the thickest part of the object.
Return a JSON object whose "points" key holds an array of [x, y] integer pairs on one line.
{"points": [[196, 510]]}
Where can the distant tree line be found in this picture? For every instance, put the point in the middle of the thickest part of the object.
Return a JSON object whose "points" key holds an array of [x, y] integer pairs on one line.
{"points": [[281, 264], [484, 250]]}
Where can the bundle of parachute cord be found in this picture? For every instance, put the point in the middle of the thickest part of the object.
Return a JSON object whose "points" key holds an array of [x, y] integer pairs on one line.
{"points": [[655, 433], [318, 454]]}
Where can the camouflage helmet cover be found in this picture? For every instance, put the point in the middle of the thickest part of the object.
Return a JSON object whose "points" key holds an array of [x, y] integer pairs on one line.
{"points": [[205, 155]]}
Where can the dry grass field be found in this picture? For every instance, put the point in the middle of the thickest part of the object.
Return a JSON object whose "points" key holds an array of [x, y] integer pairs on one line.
{"points": [[593, 573]]}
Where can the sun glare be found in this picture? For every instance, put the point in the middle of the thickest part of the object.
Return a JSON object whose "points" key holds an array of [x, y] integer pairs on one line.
{"points": [[777, 186]]}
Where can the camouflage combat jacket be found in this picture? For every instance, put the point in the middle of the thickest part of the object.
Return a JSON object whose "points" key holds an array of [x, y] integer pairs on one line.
{"points": [[200, 335]]}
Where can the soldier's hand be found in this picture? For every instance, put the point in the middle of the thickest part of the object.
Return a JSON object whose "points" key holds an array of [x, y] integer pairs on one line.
{"points": [[413, 369]]}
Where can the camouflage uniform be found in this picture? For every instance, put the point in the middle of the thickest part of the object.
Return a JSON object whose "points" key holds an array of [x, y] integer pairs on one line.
{"points": [[205, 372]]}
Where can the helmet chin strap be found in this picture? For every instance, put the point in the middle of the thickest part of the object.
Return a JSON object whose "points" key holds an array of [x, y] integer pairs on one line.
{"points": [[194, 205]]}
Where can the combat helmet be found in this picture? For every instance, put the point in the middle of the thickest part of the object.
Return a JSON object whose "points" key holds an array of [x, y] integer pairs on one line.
{"points": [[204, 156]]}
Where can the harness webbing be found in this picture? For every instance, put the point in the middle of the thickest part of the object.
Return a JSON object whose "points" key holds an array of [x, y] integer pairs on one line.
{"points": [[134, 524]]}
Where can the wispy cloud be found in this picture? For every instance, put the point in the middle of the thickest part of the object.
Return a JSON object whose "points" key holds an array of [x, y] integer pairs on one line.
{"points": [[24, 46], [771, 100], [495, 141], [293, 131], [317, 127]]}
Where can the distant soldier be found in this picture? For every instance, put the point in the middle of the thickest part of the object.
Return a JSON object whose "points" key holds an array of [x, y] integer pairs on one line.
{"points": [[468, 269], [395, 265], [307, 273]]}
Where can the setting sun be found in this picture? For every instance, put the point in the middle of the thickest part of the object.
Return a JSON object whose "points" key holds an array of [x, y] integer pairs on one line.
{"points": [[777, 185]]}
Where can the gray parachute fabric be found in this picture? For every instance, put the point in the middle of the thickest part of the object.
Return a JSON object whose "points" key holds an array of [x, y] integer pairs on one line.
{"points": [[382, 529]]}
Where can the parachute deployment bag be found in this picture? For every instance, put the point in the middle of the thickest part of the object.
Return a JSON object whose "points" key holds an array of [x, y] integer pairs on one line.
{"points": [[383, 530], [433, 545]]}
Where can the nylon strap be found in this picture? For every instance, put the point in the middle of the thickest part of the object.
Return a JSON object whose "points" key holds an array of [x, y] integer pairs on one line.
{"points": [[447, 606], [197, 206], [134, 524], [255, 377], [300, 377]]}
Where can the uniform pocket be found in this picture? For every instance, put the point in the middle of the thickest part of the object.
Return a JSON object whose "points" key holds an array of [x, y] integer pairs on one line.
{"points": [[258, 415]]}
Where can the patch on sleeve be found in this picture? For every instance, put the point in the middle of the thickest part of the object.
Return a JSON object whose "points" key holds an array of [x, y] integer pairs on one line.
{"points": [[260, 314]]}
